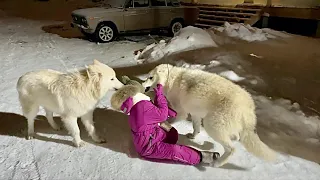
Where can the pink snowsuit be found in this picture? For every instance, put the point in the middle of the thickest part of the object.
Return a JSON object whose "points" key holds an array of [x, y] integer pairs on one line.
{"points": [[150, 140]]}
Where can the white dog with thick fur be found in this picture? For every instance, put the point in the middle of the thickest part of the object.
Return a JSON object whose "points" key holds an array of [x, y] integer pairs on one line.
{"points": [[227, 110], [71, 95]]}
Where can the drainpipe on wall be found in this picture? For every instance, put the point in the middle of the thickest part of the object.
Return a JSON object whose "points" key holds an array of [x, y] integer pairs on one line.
{"points": [[269, 3], [318, 30]]}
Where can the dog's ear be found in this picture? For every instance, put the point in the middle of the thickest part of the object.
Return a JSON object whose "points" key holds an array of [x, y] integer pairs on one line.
{"points": [[96, 62], [93, 73], [125, 79]]}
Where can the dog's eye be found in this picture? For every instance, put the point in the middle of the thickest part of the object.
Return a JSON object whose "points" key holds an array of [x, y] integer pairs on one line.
{"points": [[150, 78], [112, 79]]}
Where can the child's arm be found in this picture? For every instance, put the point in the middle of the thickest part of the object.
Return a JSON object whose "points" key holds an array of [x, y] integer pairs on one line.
{"points": [[160, 108], [171, 112]]}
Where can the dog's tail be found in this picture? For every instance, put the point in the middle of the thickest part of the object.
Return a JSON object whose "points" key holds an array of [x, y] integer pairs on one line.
{"points": [[251, 141]]}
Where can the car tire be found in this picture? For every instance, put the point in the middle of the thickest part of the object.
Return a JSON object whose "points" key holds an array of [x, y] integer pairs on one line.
{"points": [[175, 26], [105, 33]]}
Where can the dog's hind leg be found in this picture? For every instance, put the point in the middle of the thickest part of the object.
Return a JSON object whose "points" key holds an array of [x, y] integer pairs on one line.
{"points": [[71, 125], [30, 110], [30, 114], [196, 123], [49, 116], [87, 121], [220, 133]]}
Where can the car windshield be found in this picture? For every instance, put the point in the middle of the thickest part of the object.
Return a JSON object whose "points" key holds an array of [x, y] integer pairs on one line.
{"points": [[116, 3]]}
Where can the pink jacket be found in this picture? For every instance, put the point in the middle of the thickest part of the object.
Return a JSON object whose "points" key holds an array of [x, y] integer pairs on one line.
{"points": [[144, 118]]}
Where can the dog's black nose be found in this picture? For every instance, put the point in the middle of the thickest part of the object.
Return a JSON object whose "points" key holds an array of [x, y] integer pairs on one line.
{"points": [[147, 89], [216, 155], [116, 89]]}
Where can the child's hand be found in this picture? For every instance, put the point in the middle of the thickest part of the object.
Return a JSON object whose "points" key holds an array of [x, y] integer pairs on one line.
{"points": [[172, 113], [158, 89]]}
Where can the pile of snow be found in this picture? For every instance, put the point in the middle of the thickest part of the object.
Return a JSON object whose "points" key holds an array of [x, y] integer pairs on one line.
{"points": [[190, 66], [231, 75], [228, 74], [188, 38], [281, 34], [244, 32], [287, 117]]}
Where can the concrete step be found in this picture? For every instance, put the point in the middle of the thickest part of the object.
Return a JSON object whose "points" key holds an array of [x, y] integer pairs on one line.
{"points": [[227, 13], [210, 21], [205, 26], [228, 9], [227, 18]]}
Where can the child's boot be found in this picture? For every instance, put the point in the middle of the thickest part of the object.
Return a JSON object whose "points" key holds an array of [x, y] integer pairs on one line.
{"points": [[209, 157]]}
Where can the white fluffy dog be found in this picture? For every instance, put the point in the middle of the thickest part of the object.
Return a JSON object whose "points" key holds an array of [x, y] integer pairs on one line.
{"points": [[71, 95], [227, 110]]}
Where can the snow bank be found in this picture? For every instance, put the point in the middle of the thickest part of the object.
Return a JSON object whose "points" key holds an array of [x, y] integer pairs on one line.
{"points": [[190, 66], [231, 75], [275, 33], [228, 74], [244, 32], [188, 38], [285, 116]]}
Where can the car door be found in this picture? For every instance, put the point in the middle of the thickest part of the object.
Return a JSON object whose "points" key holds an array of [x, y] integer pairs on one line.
{"points": [[162, 13], [138, 15]]}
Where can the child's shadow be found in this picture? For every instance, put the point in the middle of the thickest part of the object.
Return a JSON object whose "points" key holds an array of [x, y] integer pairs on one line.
{"points": [[111, 125]]}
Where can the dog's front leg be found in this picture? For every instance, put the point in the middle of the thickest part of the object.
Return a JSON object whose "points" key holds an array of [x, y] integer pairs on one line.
{"points": [[71, 125], [196, 123], [87, 121]]}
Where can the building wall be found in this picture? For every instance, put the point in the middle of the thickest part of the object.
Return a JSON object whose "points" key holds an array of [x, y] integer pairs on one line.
{"points": [[296, 3], [288, 3]]}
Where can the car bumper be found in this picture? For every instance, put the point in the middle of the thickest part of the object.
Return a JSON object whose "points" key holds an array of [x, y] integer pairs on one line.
{"points": [[82, 28], [79, 26]]}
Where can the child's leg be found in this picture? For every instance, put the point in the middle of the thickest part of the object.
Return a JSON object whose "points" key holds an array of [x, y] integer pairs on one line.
{"points": [[175, 152], [172, 136]]}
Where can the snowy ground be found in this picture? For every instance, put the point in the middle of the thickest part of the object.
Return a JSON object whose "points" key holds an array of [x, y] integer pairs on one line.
{"points": [[24, 47]]}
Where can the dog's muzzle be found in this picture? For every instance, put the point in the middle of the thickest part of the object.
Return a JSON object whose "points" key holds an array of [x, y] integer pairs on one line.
{"points": [[147, 89]]}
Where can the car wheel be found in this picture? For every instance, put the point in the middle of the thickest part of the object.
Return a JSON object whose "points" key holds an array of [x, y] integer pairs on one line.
{"points": [[175, 27], [105, 33]]}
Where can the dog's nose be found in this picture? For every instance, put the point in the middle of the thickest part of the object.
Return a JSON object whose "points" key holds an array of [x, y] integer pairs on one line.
{"points": [[147, 89], [116, 89], [216, 155]]}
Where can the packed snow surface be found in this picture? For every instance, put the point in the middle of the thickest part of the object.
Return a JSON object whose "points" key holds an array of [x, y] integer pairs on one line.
{"points": [[24, 47]]}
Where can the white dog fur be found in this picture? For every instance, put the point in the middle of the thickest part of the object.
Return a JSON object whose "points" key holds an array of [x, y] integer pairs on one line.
{"points": [[71, 95], [227, 110]]}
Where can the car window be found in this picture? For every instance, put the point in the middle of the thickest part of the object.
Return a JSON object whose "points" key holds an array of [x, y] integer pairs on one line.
{"points": [[158, 2], [137, 3]]}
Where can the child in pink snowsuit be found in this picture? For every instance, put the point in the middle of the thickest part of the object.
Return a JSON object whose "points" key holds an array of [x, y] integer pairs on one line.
{"points": [[153, 142]]}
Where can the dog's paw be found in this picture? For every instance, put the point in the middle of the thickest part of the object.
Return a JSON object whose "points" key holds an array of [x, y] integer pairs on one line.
{"points": [[98, 139], [190, 136], [80, 144], [29, 137]]}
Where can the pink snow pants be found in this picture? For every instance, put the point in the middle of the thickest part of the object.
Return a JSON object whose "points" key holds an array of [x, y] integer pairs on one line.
{"points": [[168, 150]]}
